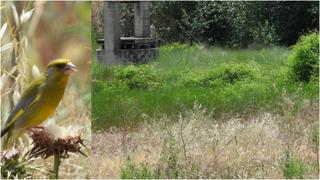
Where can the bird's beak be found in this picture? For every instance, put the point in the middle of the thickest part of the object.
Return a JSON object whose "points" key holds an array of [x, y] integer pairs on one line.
{"points": [[70, 68]]}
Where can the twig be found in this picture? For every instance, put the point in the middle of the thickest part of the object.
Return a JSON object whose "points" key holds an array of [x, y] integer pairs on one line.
{"points": [[183, 143]]}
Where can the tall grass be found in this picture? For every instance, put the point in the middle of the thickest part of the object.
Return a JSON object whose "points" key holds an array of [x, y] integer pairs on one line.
{"points": [[228, 82], [195, 145]]}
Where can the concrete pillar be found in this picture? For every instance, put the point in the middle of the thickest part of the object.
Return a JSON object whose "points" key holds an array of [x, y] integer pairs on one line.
{"points": [[142, 19], [111, 12]]}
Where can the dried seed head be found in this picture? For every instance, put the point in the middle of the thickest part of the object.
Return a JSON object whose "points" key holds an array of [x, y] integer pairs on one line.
{"points": [[3, 29], [9, 154], [54, 140], [16, 97], [25, 16], [35, 71]]}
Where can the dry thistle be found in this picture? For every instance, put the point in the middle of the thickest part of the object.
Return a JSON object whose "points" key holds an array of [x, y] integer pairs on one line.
{"points": [[47, 144], [54, 141]]}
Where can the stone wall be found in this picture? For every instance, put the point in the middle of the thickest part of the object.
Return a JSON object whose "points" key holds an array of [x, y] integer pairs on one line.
{"points": [[138, 55]]}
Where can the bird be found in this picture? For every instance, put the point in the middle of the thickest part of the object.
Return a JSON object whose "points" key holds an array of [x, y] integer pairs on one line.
{"points": [[38, 102]]}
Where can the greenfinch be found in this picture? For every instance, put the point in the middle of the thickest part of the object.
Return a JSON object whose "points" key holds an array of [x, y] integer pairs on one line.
{"points": [[38, 101]]}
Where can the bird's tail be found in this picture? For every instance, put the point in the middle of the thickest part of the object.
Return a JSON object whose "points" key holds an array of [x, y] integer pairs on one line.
{"points": [[11, 137], [4, 131]]}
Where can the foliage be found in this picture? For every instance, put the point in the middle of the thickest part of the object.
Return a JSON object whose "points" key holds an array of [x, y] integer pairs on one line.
{"points": [[170, 159], [174, 47], [14, 168], [227, 81], [223, 75], [132, 171], [291, 166], [237, 24], [136, 77], [235, 73], [127, 19], [265, 35], [305, 58]]}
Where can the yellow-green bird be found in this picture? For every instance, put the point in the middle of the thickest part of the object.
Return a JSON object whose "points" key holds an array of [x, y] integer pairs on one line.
{"points": [[38, 101]]}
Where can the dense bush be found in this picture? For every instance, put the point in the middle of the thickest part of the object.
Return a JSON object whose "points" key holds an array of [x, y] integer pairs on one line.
{"points": [[236, 72], [136, 77], [305, 58], [223, 75]]}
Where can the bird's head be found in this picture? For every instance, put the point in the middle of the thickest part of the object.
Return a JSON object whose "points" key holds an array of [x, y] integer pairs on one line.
{"points": [[60, 69]]}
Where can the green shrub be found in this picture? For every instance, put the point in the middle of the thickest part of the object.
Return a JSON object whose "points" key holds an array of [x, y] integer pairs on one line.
{"points": [[222, 75], [136, 77], [305, 58], [237, 72], [291, 166], [131, 171]]}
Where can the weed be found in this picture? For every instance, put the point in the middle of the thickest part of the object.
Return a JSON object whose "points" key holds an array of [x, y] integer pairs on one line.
{"points": [[291, 166], [132, 171], [314, 136], [13, 165], [170, 158]]}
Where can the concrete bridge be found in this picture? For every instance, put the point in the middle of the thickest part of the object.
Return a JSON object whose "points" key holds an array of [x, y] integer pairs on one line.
{"points": [[115, 49]]}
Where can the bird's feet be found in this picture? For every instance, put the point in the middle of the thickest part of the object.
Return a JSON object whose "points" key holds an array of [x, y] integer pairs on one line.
{"points": [[35, 128]]}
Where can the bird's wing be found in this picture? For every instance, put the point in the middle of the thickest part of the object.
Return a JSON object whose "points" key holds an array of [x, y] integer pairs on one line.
{"points": [[29, 97]]}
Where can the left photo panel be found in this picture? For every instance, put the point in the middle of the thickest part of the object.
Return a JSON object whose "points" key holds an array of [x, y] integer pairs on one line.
{"points": [[45, 90]]}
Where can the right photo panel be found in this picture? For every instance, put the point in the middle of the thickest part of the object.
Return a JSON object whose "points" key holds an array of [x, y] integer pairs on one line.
{"points": [[203, 89]]}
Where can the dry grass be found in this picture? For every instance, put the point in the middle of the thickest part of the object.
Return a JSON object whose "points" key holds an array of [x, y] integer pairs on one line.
{"points": [[209, 148]]}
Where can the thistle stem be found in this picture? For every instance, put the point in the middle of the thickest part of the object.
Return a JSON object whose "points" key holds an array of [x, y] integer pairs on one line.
{"points": [[56, 164]]}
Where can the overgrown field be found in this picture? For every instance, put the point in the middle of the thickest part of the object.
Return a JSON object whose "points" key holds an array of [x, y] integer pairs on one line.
{"points": [[227, 82], [208, 112]]}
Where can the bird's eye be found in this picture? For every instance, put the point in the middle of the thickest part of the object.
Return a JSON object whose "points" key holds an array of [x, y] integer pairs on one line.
{"points": [[60, 66]]}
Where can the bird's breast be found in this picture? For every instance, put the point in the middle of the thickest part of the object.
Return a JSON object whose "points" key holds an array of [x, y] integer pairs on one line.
{"points": [[45, 106]]}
